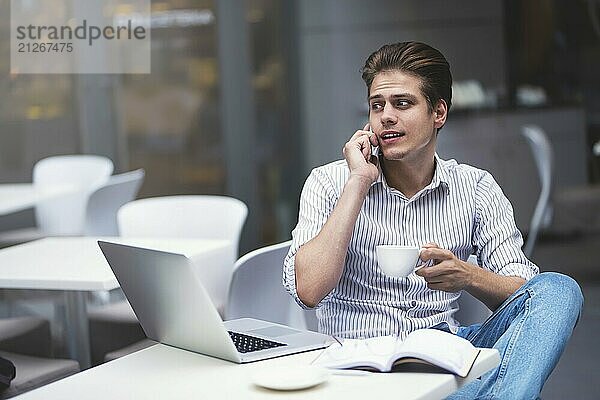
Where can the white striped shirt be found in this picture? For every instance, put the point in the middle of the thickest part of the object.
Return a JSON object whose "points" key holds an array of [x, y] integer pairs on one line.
{"points": [[463, 209]]}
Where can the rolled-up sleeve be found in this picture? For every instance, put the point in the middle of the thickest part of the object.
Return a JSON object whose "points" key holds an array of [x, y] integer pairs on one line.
{"points": [[496, 236], [317, 201]]}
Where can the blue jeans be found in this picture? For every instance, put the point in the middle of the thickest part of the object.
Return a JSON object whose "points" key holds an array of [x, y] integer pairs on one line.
{"points": [[530, 330]]}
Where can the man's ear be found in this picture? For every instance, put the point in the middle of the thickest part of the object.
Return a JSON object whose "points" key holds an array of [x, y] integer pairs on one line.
{"points": [[440, 112]]}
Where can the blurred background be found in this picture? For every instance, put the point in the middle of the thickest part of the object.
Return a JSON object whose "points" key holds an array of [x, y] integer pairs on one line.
{"points": [[246, 97]]}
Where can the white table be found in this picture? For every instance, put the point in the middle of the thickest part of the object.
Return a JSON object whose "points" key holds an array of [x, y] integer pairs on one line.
{"points": [[76, 265], [163, 372], [21, 196]]}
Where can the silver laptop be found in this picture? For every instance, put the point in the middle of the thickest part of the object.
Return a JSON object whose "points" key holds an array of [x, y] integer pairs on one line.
{"points": [[174, 309]]}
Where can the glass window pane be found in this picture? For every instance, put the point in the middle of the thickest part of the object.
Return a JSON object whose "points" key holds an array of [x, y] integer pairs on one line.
{"points": [[170, 116]]}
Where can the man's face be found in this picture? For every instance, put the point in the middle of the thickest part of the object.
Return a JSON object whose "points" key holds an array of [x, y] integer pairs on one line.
{"points": [[399, 116]]}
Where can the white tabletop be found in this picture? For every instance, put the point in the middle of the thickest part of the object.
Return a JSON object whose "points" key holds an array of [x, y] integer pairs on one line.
{"points": [[163, 372], [20, 196], [76, 263]]}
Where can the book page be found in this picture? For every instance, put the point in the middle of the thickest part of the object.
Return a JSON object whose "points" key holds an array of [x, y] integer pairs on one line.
{"points": [[359, 353], [448, 351], [441, 348]]}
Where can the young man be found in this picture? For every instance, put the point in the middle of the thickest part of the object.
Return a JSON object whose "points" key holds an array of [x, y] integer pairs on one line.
{"points": [[408, 196]]}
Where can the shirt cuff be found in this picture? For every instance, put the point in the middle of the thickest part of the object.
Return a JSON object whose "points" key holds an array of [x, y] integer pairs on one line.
{"points": [[289, 282], [515, 269]]}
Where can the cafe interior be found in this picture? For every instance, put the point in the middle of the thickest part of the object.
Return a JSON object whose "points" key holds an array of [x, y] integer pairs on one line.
{"points": [[243, 100]]}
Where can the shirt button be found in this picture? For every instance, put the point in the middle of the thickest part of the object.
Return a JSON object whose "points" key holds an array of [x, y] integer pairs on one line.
{"points": [[413, 303]]}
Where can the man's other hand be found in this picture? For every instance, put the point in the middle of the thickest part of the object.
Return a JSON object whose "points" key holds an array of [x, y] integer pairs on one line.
{"points": [[448, 273]]}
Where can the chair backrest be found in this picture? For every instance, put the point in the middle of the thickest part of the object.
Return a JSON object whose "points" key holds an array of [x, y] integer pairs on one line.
{"points": [[471, 310], [188, 216], [544, 159], [65, 215], [104, 203], [256, 290], [518, 159]]}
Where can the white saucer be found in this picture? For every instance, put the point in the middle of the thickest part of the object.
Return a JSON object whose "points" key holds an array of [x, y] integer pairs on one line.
{"points": [[290, 378]]}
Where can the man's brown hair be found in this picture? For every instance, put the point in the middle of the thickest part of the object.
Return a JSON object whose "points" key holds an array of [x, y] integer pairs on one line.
{"points": [[414, 58]]}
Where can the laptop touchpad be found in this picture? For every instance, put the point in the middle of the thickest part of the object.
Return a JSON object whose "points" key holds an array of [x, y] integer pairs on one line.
{"points": [[274, 331]]}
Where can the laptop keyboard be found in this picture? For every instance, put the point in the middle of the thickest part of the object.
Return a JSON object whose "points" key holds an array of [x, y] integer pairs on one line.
{"points": [[246, 344]]}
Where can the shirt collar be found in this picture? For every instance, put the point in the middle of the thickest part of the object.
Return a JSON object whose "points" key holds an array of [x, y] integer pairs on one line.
{"points": [[440, 176]]}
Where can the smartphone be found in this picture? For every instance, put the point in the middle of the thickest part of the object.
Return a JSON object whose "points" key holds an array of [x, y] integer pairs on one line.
{"points": [[374, 149]]}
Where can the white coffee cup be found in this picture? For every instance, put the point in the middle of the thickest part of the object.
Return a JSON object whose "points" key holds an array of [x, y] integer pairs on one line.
{"points": [[398, 261]]}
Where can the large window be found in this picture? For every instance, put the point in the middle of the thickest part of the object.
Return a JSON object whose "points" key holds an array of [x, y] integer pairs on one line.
{"points": [[170, 122], [37, 114], [553, 58], [170, 117]]}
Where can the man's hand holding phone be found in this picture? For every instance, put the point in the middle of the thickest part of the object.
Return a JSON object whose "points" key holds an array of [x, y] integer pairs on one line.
{"points": [[358, 152]]}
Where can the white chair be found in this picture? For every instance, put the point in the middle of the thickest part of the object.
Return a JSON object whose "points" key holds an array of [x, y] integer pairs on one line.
{"points": [[101, 212], [104, 203], [471, 309], [35, 372], [65, 214], [188, 216], [26, 342], [543, 155], [516, 161], [27, 335], [256, 290]]}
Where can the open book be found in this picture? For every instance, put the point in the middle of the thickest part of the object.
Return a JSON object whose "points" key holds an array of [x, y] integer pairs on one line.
{"points": [[424, 350]]}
